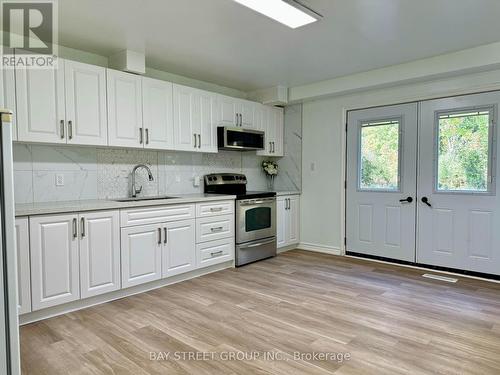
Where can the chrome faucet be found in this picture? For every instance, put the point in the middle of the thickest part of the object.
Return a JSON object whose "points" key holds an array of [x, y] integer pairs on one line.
{"points": [[136, 191]]}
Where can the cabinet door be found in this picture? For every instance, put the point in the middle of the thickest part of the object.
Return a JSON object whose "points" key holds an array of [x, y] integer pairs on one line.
{"points": [[269, 130], [141, 254], [246, 109], [157, 105], [23, 266], [293, 219], [207, 141], [85, 87], [184, 109], [281, 222], [228, 111], [278, 125], [8, 96], [179, 250], [99, 253], [124, 109], [54, 260], [258, 117], [41, 114]]}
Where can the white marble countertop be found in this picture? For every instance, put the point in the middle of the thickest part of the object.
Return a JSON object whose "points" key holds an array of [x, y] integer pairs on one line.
{"points": [[29, 209], [288, 192]]}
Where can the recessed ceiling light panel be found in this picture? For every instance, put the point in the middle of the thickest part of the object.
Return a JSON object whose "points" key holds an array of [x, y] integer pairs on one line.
{"points": [[289, 12]]}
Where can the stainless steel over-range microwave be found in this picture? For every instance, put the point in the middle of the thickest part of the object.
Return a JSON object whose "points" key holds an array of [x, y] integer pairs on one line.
{"points": [[239, 139]]}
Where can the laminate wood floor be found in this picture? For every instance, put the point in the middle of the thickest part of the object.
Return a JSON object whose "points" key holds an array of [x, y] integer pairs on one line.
{"points": [[389, 320]]}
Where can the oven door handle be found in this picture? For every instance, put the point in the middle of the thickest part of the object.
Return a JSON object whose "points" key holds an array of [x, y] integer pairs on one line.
{"points": [[258, 244], [252, 203]]}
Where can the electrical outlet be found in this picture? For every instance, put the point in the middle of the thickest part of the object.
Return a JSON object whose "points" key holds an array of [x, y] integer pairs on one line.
{"points": [[196, 181], [177, 178], [59, 179]]}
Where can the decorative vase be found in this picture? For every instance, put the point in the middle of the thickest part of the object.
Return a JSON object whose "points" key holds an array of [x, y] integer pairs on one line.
{"points": [[270, 182]]}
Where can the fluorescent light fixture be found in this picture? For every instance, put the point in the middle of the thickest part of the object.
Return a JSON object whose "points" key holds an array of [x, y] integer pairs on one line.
{"points": [[289, 12]]}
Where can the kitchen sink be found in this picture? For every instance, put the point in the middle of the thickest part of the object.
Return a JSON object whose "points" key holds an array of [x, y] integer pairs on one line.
{"points": [[137, 199]]}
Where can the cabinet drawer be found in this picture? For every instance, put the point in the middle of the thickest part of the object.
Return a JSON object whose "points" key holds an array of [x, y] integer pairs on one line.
{"points": [[214, 228], [151, 215], [214, 252], [214, 208]]}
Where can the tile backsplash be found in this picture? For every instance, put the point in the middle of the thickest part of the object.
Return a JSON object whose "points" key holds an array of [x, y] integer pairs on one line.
{"points": [[104, 173]]}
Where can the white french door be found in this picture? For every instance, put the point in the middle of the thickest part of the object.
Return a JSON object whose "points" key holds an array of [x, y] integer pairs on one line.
{"points": [[459, 226], [381, 181], [452, 216]]}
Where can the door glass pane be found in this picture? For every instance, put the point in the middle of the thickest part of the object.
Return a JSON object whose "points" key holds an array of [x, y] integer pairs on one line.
{"points": [[463, 151], [257, 218], [379, 156]]}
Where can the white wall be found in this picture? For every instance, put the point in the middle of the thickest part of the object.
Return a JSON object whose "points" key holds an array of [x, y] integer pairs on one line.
{"points": [[322, 206]]}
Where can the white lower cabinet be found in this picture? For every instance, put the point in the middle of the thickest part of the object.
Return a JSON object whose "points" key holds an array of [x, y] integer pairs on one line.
{"points": [[214, 252], [288, 220], [214, 228], [54, 260], [99, 253], [23, 266], [141, 249], [179, 247]]}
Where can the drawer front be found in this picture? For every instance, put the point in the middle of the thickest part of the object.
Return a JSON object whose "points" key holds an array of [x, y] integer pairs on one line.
{"points": [[214, 228], [152, 215], [214, 252], [215, 208]]}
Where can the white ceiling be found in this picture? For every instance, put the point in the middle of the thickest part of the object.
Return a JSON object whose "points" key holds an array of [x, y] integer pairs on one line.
{"points": [[223, 42]]}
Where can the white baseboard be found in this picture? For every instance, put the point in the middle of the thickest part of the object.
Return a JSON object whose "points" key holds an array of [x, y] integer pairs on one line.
{"points": [[319, 248], [108, 297], [286, 248]]}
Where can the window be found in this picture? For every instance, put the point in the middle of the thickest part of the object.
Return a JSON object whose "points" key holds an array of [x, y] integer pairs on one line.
{"points": [[379, 155], [463, 149]]}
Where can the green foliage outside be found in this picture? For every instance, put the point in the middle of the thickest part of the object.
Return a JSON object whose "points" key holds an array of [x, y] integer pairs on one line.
{"points": [[463, 153], [379, 156]]}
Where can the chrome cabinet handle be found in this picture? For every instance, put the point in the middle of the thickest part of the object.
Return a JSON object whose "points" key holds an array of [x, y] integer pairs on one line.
{"points": [[165, 233], [75, 229], [237, 122], [62, 128], [141, 135], [216, 229], [194, 140], [215, 209], [241, 119], [159, 236], [216, 253], [147, 136], [199, 140], [70, 129], [82, 226], [272, 143], [270, 146]]}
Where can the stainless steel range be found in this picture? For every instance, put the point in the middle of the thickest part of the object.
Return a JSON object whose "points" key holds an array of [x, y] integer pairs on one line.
{"points": [[255, 216]]}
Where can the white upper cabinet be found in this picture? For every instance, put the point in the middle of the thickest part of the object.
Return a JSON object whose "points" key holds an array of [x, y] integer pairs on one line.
{"points": [[124, 109], [157, 106], [236, 112], [99, 252], [8, 96], [179, 248], [54, 260], [207, 127], [195, 120], [273, 125], [86, 117], [41, 113]]}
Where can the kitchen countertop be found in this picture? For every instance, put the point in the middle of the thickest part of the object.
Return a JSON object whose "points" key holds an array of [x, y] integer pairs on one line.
{"points": [[28, 209], [289, 192]]}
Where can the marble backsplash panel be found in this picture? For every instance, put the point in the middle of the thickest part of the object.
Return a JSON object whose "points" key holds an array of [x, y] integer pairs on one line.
{"points": [[104, 173]]}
